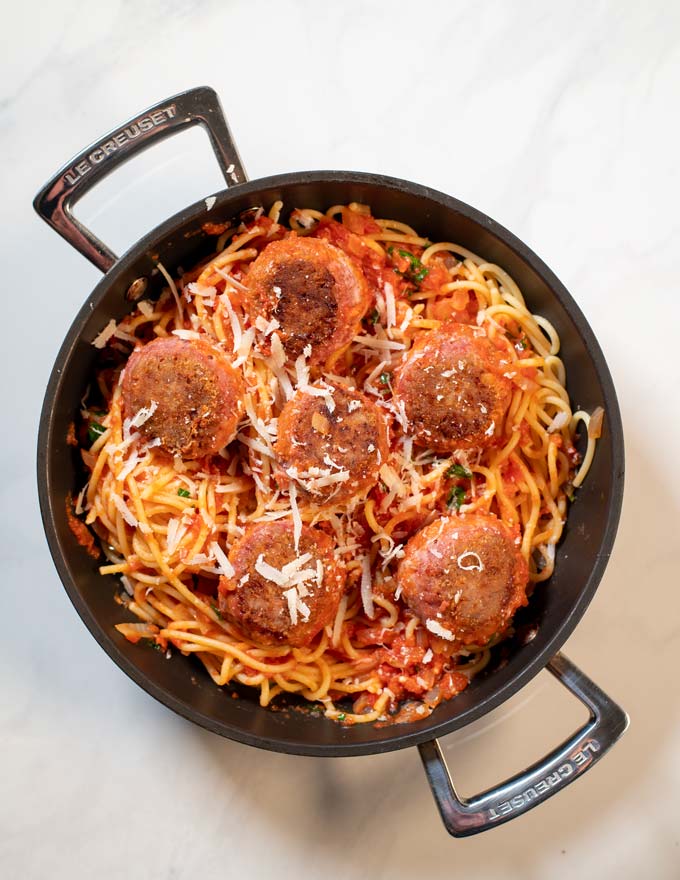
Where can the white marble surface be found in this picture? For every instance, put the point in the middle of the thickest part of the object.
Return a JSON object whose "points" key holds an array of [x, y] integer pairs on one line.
{"points": [[559, 120]]}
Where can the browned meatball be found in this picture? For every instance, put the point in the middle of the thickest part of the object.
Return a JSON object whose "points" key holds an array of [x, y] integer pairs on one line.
{"points": [[314, 290], [258, 598], [464, 577], [453, 388], [198, 395], [333, 453]]}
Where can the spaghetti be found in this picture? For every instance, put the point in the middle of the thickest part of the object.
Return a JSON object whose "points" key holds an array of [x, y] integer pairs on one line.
{"points": [[166, 523]]}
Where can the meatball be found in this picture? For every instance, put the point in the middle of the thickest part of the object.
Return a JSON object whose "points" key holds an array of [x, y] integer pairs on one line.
{"points": [[194, 394], [453, 389], [333, 446], [277, 595], [464, 577], [315, 292]]}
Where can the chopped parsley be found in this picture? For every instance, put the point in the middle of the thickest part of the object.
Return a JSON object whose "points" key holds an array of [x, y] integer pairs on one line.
{"points": [[413, 260], [341, 716], [456, 497], [523, 344], [184, 493], [416, 272], [375, 314], [384, 378], [216, 610], [94, 431], [457, 470]]}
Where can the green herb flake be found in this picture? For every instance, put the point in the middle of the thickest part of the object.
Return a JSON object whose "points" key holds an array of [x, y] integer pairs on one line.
{"points": [[523, 344], [341, 716], [375, 314], [390, 249], [384, 378], [94, 431], [457, 470], [216, 610], [413, 260], [456, 497], [420, 276], [184, 493]]}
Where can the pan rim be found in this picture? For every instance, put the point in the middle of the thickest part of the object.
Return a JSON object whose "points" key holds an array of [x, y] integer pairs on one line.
{"points": [[420, 731]]}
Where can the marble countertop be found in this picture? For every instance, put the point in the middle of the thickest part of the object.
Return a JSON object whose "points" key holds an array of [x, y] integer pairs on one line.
{"points": [[560, 121]]}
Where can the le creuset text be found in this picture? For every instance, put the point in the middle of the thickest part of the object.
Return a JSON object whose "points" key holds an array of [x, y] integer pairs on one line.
{"points": [[118, 140], [574, 764]]}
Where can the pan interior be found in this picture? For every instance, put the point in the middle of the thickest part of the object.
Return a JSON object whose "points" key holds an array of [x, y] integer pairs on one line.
{"points": [[555, 607]]}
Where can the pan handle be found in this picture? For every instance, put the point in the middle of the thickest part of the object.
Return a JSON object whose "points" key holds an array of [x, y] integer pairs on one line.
{"points": [[465, 816], [55, 201]]}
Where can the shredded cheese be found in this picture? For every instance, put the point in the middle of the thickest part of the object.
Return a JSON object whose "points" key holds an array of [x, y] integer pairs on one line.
{"points": [[125, 511], [366, 590], [102, 338], [236, 330], [438, 630], [223, 564], [476, 564]]}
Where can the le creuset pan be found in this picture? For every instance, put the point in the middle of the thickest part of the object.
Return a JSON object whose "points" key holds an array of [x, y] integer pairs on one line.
{"points": [[556, 606]]}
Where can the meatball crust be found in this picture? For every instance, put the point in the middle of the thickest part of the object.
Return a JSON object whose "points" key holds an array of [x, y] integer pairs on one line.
{"points": [[259, 606], [464, 577], [315, 292], [198, 395], [454, 392], [314, 440]]}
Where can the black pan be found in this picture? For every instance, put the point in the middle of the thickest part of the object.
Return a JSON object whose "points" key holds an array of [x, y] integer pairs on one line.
{"points": [[556, 606]]}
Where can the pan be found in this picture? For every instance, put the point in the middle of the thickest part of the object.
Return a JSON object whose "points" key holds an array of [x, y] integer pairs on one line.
{"points": [[556, 606]]}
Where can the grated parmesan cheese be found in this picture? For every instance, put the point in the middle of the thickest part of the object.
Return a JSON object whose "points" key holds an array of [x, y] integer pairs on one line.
{"points": [[291, 597], [243, 350], [366, 591], [102, 338], [378, 343], [236, 330], [124, 511], [175, 534], [186, 334], [476, 565], [223, 564], [127, 585], [438, 630], [145, 307], [558, 422]]}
